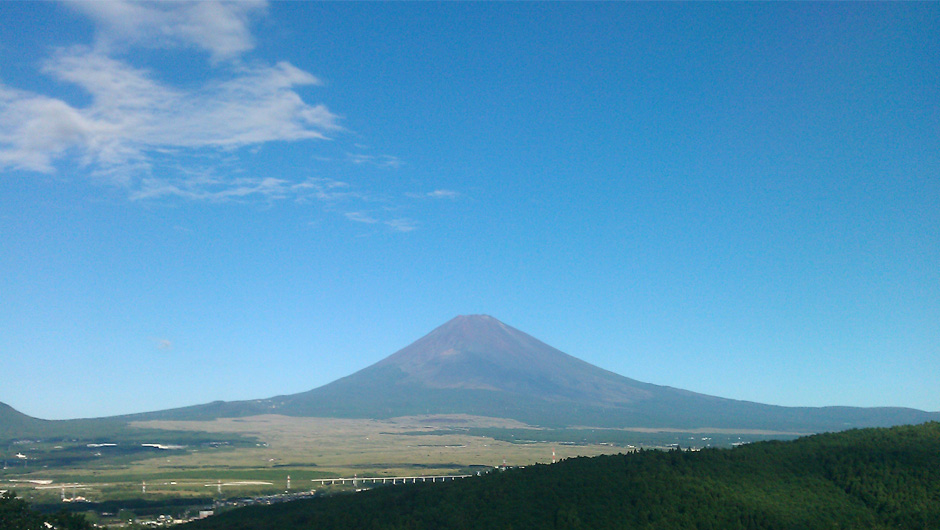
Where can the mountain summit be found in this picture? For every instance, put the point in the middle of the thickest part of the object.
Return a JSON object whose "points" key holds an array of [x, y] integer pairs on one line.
{"points": [[475, 364], [482, 353], [478, 365]]}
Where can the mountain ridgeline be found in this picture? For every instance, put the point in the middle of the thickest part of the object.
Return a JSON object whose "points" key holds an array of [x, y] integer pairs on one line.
{"points": [[478, 365]]}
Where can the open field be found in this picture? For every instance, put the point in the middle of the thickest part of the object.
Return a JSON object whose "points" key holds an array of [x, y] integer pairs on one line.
{"points": [[304, 448], [274, 447]]}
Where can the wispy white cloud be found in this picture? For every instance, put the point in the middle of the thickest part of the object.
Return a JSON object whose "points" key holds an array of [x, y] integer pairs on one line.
{"points": [[163, 141], [382, 161], [329, 190], [436, 194], [163, 344], [35, 129], [402, 224], [212, 188], [443, 194], [361, 217], [221, 28], [132, 116]]}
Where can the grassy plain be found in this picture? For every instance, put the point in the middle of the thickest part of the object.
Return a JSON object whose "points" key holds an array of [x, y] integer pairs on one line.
{"points": [[267, 449], [304, 448], [344, 447]]}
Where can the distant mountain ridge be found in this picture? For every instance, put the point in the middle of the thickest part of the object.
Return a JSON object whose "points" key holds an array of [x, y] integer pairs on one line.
{"points": [[475, 364], [10, 417]]}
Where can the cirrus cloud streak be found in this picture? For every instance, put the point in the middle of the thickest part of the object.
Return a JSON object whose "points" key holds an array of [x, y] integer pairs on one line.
{"points": [[132, 116]]}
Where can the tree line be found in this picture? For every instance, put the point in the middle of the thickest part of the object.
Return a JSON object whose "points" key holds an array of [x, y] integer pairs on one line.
{"points": [[867, 478], [876, 479]]}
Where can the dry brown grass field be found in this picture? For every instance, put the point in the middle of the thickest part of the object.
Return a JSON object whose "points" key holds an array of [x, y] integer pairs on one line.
{"points": [[305, 449], [343, 447]]}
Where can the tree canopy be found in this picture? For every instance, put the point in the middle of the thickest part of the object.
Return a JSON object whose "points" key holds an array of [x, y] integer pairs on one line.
{"points": [[16, 514], [869, 478]]}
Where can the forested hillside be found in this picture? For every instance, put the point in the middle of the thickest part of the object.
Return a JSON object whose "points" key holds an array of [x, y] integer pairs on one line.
{"points": [[16, 514], [870, 478]]}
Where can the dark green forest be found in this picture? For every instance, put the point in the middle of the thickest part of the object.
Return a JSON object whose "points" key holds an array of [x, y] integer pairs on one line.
{"points": [[867, 478], [16, 514]]}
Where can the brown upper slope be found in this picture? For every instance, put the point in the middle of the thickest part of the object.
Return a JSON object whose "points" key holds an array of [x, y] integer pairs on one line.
{"points": [[478, 365], [479, 352]]}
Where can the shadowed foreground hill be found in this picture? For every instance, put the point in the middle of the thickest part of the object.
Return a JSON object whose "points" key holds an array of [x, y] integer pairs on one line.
{"points": [[15, 424], [478, 365], [12, 419], [872, 478]]}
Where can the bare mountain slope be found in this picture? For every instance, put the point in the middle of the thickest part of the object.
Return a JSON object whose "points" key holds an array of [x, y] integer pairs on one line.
{"points": [[478, 365], [481, 353]]}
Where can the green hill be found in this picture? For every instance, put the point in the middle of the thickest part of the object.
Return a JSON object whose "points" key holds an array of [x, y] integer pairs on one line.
{"points": [[58, 444], [871, 478], [12, 419], [16, 425]]}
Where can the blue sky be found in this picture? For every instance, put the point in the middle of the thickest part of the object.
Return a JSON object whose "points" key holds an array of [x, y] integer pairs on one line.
{"points": [[233, 201]]}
